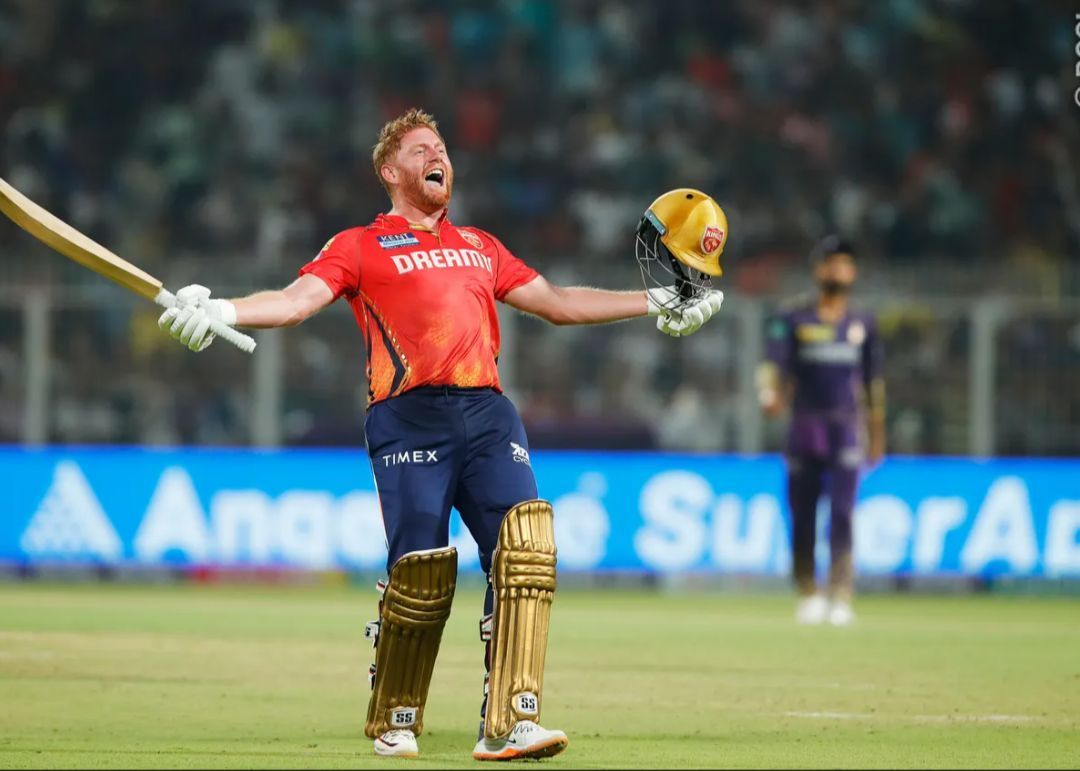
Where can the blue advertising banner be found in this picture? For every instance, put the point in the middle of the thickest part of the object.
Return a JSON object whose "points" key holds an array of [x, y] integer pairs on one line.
{"points": [[650, 512]]}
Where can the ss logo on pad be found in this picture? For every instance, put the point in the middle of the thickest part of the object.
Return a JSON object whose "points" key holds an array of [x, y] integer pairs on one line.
{"points": [[403, 716], [526, 704]]}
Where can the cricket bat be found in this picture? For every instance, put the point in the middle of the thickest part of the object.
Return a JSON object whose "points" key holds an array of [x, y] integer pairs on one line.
{"points": [[65, 239]]}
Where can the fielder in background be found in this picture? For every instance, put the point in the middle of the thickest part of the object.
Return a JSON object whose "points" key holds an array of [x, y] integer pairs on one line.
{"points": [[439, 431], [825, 360]]}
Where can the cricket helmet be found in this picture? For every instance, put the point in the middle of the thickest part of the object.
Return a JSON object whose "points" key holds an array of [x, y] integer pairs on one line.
{"points": [[681, 236]]}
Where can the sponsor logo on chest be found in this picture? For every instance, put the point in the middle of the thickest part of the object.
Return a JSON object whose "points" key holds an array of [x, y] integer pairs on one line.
{"points": [[829, 353], [815, 333], [441, 258], [397, 240]]}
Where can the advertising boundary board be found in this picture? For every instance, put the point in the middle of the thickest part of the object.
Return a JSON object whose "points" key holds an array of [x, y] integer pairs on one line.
{"points": [[618, 511]]}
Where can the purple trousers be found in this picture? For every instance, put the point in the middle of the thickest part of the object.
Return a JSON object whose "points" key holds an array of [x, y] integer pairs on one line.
{"points": [[824, 455]]}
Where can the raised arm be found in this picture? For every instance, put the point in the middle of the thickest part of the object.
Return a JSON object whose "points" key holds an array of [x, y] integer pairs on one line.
{"points": [[576, 304], [189, 321], [286, 307], [563, 305]]}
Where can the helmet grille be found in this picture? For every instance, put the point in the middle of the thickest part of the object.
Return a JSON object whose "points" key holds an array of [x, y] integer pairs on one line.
{"points": [[659, 267]]}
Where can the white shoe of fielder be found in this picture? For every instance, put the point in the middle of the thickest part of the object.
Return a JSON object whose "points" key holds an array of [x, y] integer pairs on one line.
{"points": [[526, 740], [841, 614], [811, 610], [399, 743]]}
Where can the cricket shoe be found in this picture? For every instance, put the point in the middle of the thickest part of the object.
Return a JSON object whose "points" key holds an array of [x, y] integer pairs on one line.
{"points": [[527, 740], [399, 743], [811, 610], [841, 614]]}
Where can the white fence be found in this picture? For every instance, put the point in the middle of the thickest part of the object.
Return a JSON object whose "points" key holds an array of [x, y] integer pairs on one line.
{"points": [[979, 377]]}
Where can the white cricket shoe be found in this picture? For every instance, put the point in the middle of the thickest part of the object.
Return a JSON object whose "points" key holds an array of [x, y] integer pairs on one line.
{"points": [[841, 614], [811, 610], [399, 743], [526, 740]]}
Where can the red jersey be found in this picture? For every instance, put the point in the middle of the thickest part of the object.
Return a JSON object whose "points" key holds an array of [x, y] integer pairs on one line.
{"points": [[424, 299]]}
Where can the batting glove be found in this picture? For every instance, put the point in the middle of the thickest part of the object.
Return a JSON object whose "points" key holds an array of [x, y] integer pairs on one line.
{"points": [[663, 300], [189, 320], [692, 316]]}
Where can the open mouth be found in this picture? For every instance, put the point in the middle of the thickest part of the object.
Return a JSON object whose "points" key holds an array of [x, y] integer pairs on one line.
{"points": [[437, 176]]}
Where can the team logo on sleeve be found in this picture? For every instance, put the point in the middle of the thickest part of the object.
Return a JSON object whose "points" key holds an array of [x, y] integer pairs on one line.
{"points": [[712, 239], [398, 240], [471, 238]]}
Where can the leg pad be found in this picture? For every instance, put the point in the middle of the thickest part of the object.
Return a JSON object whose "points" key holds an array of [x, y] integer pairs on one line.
{"points": [[412, 615], [523, 579]]}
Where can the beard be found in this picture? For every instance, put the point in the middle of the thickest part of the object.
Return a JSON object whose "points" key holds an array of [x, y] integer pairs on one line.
{"points": [[831, 286], [430, 197]]}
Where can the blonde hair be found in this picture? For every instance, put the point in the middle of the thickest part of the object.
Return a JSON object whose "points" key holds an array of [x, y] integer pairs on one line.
{"points": [[391, 134]]}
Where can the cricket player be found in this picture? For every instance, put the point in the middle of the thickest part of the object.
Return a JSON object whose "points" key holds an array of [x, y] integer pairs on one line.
{"points": [[439, 431], [827, 360]]}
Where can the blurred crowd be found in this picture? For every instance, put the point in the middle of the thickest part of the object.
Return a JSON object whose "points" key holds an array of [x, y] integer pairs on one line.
{"points": [[223, 141]]}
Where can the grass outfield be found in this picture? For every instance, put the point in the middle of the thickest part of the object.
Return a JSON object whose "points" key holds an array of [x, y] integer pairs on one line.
{"points": [[108, 676]]}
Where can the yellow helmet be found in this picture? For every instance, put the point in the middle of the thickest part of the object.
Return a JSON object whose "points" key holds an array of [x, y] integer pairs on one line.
{"points": [[682, 229], [692, 226]]}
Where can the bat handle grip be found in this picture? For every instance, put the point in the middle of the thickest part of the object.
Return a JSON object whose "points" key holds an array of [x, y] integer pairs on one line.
{"points": [[245, 343]]}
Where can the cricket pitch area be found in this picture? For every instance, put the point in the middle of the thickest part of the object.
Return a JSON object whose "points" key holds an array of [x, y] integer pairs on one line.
{"points": [[189, 676]]}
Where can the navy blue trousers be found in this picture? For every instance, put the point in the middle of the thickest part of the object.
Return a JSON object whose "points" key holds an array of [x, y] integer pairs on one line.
{"points": [[441, 447], [436, 448]]}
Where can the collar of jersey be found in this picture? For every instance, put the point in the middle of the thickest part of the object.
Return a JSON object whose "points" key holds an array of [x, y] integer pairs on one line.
{"points": [[397, 222]]}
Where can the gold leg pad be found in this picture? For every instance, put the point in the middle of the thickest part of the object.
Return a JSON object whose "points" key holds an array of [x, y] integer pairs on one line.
{"points": [[523, 579], [412, 615]]}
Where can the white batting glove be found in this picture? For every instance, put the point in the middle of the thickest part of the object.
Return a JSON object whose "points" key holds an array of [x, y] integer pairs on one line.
{"points": [[189, 320], [663, 302], [692, 316]]}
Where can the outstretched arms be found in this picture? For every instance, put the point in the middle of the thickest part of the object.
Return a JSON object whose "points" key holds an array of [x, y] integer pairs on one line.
{"points": [[576, 304], [585, 305], [286, 307], [189, 320]]}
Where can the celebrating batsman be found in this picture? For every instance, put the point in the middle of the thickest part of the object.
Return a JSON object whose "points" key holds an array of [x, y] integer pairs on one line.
{"points": [[439, 431]]}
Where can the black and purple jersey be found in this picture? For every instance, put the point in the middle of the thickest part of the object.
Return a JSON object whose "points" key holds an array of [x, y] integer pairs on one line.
{"points": [[829, 365]]}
